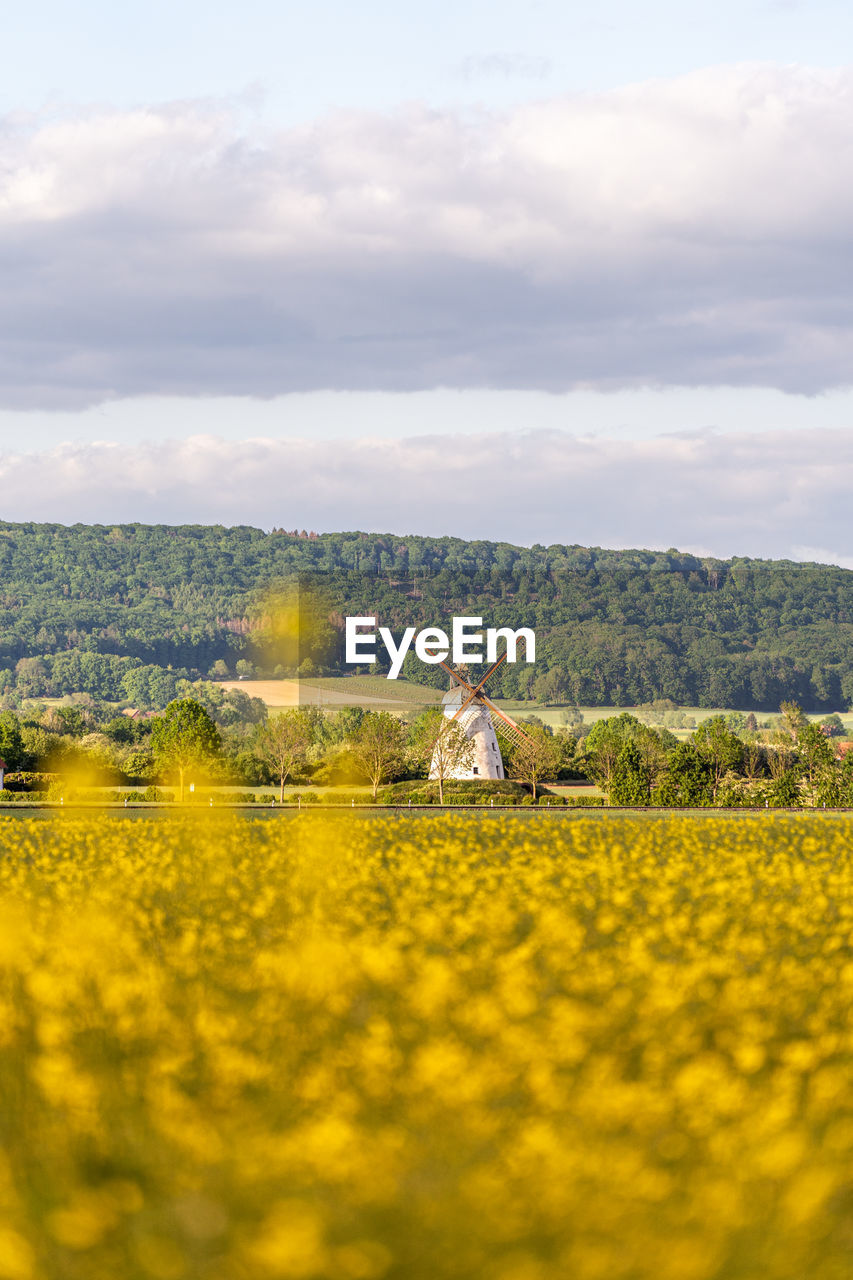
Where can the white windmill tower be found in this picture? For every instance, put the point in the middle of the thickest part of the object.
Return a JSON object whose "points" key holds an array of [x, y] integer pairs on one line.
{"points": [[468, 706]]}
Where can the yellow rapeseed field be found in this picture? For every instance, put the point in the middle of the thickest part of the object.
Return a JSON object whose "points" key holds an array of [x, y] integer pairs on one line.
{"points": [[510, 1047]]}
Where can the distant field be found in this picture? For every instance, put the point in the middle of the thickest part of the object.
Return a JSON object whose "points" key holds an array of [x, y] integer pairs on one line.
{"points": [[374, 688], [339, 691], [379, 694], [554, 715], [401, 695]]}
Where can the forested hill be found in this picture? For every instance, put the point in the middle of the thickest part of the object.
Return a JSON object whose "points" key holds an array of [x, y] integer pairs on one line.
{"points": [[85, 607]]}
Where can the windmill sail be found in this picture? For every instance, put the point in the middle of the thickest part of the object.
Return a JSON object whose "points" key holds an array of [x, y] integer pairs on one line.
{"points": [[481, 720], [504, 725]]}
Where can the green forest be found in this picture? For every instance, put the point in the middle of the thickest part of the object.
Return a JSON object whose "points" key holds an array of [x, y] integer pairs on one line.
{"points": [[127, 613]]}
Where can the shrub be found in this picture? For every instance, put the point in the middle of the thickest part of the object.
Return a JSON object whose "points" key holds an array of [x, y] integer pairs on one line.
{"points": [[27, 781], [157, 795], [466, 791], [228, 797]]}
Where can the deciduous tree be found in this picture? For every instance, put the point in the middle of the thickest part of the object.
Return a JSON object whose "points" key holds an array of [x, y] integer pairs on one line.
{"points": [[283, 743], [442, 745], [814, 754], [533, 758], [686, 781], [631, 780], [11, 742], [379, 746], [606, 739], [184, 738], [721, 749]]}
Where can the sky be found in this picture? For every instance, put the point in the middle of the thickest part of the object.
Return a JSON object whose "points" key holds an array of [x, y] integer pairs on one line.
{"points": [[484, 269]]}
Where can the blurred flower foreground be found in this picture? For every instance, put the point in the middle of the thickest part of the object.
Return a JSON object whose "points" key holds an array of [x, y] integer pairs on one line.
{"points": [[508, 1047]]}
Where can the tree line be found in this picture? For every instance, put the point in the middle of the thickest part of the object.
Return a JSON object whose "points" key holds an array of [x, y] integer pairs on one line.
{"points": [[228, 738], [129, 611], [793, 764]]}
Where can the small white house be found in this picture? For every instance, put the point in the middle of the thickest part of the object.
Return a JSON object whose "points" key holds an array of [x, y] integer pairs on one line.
{"points": [[2, 771]]}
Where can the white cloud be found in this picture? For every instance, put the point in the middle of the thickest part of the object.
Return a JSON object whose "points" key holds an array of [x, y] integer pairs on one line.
{"points": [[822, 555], [506, 66], [768, 494], [695, 231]]}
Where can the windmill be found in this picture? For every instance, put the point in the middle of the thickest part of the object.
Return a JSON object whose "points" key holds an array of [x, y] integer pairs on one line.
{"points": [[468, 706]]}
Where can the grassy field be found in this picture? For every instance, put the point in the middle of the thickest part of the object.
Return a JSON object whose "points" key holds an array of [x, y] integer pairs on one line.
{"points": [[424, 1048], [373, 692], [377, 693], [554, 715]]}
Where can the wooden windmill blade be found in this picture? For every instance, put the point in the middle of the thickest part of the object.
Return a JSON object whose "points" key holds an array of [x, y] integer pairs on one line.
{"points": [[508, 727], [456, 676], [475, 693]]}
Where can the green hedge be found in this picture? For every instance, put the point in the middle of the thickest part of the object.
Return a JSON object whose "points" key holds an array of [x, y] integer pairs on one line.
{"points": [[30, 781], [487, 793], [469, 791], [155, 795]]}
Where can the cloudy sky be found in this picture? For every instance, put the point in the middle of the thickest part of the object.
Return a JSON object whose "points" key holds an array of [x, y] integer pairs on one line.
{"points": [[493, 269]]}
